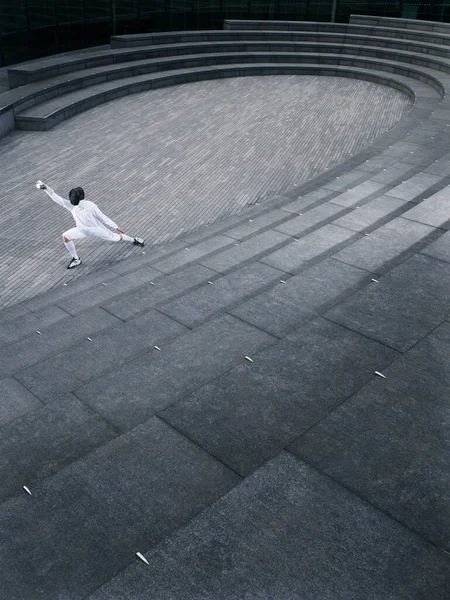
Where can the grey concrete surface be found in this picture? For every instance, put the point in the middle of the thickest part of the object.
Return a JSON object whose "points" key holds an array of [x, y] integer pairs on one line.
{"points": [[288, 532], [259, 407]]}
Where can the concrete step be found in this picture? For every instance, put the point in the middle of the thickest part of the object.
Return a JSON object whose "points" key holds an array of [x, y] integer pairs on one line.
{"points": [[50, 68], [113, 348], [396, 29], [48, 114], [400, 23], [227, 52], [31, 323], [64, 334], [283, 29]]}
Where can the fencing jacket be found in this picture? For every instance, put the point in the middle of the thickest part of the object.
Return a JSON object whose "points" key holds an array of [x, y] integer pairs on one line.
{"points": [[87, 214]]}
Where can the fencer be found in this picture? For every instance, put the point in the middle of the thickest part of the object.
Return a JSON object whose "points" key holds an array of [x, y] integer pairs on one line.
{"points": [[90, 222]]}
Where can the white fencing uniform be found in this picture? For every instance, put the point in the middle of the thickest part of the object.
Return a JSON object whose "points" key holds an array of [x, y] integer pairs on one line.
{"points": [[89, 219], [90, 222]]}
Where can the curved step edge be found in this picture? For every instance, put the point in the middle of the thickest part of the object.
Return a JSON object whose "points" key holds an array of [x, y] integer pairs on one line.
{"points": [[167, 79]]}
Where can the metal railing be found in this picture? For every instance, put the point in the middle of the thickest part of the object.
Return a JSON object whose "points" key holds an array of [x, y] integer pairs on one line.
{"points": [[34, 28]]}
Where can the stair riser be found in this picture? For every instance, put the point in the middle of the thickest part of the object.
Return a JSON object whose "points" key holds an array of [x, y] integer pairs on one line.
{"points": [[200, 61], [31, 123], [310, 55], [19, 76], [407, 24]]}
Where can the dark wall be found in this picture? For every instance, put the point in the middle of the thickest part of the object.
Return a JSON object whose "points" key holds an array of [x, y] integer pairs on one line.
{"points": [[34, 28]]}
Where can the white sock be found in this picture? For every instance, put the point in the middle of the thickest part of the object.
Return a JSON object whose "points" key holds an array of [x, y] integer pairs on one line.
{"points": [[71, 248], [127, 238]]}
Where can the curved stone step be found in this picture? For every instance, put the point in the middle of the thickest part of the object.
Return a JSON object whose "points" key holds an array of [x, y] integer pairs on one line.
{"points": [[392, 23], [15, 101], [240, 41], [297, 51], [271, 28], [46, 115], [33, 94], [311, 42], [409, 24], [25, 97]]}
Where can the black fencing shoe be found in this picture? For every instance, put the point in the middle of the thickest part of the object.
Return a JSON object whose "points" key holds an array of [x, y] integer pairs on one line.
{"points": [[138, 242], [74, 263]]}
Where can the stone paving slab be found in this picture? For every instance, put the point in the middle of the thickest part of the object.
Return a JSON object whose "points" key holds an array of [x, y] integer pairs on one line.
{"points": [[342, 182], [397, 172], [410, 189], [62, 558], [102, 353], [249, 227], [101, 292], [440, 167], [190, 254], [45, 441], [13, 312], [133, 393], [63, 292], [302, 297], [12, 332], [434, 211], [250, 249], [390, 441], [359, 193], [197, 306], [422, 158], [407, 304], [133, 264], [373, 214], [387, 245], [319, 215], [15, 400], [375, 163], [440, 248], [163, 289], [309, 201], [248, 415], [149, 296], [312, 247], [403, 147], [60, 336], [255, 530], [208, 230]]}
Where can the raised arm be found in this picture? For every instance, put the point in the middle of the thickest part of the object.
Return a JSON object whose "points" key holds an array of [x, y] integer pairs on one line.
{"points": [[53, 195]]}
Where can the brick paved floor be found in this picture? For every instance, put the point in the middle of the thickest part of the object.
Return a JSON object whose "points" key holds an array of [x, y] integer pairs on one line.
{"points": [[162, 163]]}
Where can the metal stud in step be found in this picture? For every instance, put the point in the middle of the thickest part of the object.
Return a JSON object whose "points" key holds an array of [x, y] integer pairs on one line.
{"points": [[142, 557]]}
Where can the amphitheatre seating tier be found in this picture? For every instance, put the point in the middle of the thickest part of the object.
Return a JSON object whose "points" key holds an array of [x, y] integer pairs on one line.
{"points": [[368, 30], [410, 24], [46, 115], [31, 73], [52, 90]]}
